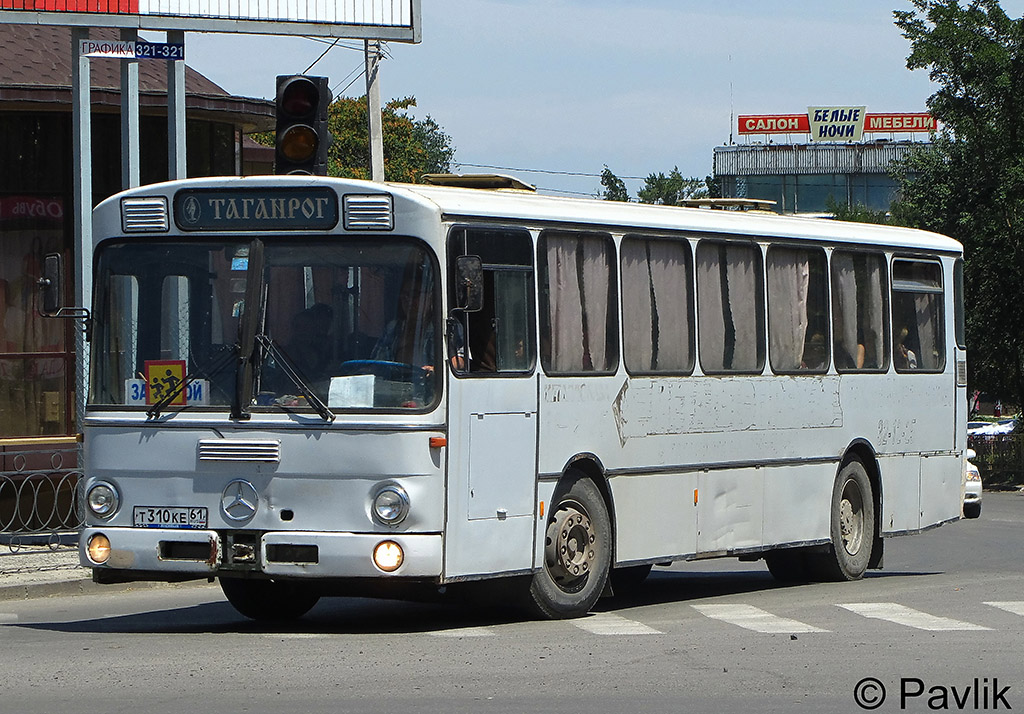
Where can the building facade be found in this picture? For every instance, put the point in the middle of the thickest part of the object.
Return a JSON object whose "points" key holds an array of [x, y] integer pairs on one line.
{"points": [[37, 355], [848, 158]]}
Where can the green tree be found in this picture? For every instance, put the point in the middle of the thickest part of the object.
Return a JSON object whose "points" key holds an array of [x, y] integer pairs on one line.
{"points": [[412, 147], [614, 187], [857, 213], [970, 185], [670, 190]]}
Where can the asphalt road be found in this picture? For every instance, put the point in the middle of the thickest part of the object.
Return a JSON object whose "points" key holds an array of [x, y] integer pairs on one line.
{"points": [[940, 628]]}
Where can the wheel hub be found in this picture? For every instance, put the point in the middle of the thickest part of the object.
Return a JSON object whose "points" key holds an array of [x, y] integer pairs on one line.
{"points": [[570, 547], [851, 520]]}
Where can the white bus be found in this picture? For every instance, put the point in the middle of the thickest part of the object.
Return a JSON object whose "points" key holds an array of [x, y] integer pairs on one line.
{"points": [[310, 386]]}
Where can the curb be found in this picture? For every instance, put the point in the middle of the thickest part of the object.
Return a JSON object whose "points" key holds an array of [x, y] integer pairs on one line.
{"points": [[81, 586]]}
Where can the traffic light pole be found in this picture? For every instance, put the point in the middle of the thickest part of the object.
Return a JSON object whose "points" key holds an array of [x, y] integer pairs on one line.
{"points": [[372, 49]]}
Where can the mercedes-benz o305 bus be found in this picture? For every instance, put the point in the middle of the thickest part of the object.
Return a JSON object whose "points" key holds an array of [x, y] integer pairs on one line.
{"points": [[310, 386]]}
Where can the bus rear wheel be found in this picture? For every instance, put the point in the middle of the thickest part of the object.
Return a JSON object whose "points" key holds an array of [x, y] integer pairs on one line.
{"points": [[577, 552], [852, 529], [268, 600]]}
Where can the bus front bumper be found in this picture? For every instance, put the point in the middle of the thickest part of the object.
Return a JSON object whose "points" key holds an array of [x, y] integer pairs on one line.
{"points": [[182, 553]]}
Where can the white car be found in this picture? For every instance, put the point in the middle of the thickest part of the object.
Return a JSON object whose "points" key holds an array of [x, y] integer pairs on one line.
{"points": [[972, 487], [991, 428]]}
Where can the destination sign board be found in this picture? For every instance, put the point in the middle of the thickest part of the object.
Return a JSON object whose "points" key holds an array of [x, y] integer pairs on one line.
{"points": [[284, 209]]}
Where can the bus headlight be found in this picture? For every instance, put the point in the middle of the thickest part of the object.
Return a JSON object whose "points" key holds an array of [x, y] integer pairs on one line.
{"points": [[390, 504], [102, 499]]}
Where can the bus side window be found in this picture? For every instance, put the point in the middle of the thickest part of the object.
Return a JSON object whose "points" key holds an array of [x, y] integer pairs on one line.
{"points": [[578, 309], [657, 290], [730, 307], [917, 316], [797, 310], [499, 337], [860, 330]]}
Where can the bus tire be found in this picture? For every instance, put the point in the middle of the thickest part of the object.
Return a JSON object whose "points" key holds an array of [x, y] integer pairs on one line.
{"points": [[268, 600], [577, 552], [852, 527]]}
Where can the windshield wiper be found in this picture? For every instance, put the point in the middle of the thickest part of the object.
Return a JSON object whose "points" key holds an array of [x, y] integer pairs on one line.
{"points": [[165, 401], [289, 369]]}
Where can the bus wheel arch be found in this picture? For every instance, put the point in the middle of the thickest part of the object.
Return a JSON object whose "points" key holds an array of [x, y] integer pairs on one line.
{"points": [[853, 524], [578, 542], [864, 451]]}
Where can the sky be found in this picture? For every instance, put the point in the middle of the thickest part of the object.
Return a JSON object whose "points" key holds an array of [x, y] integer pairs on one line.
{"points": [[552, 88]]}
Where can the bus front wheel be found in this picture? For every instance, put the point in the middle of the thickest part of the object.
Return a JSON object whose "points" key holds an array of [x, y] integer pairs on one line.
{"points": [[268, 600], [577, 552], [852, 526]]}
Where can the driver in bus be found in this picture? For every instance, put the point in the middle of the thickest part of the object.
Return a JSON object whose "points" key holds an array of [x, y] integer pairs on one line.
{"points": [[409, 337]]}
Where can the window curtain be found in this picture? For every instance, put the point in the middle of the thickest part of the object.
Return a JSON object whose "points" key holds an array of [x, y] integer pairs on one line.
{"points": [[789, 277], [875, 319], [656, 297], [844, 295], [579, 282], [929, 356], [729, 303]]}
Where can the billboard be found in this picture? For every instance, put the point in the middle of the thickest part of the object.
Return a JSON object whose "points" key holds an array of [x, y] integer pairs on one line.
{"points": [[397, 20], [836, 123]]}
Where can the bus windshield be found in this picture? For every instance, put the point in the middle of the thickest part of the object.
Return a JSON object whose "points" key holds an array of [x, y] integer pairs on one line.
{"points": [[350, 324]]}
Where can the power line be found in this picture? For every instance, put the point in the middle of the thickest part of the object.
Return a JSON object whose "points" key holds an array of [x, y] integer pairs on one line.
{"points": [[322, 55], [570, 193], [543, 171], [358, 72]]}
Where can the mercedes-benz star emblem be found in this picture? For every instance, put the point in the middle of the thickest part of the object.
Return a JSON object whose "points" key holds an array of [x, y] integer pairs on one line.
{"points": [[239, 501]]}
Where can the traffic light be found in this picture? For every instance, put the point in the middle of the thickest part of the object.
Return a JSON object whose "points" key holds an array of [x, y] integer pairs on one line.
{"points": [[302, 132]]}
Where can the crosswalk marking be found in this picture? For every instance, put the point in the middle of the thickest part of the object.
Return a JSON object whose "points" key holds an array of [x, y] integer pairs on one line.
{"points": [[903, 615], [756, 619], [465, 632], [1017, 608], [605, 623], [747, 617]]}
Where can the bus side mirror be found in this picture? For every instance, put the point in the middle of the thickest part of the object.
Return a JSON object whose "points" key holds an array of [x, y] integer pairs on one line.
{"points": [[469, 293], [51, 285]]}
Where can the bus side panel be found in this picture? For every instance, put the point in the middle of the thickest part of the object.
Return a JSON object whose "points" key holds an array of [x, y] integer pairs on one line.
{"points": [[788, 493], [901, 493], [730, 510], [665, 505], [941, 496]]}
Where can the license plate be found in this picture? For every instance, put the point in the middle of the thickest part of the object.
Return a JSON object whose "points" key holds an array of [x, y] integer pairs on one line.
{"points": [[169, 517]]}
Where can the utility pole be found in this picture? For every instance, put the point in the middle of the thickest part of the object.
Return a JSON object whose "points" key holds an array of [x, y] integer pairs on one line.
{"points": [[373, 56]]}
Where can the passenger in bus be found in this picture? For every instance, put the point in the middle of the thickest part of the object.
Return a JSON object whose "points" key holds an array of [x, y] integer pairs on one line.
{"points": [[309, 348], [867, 356], [905, 357]]}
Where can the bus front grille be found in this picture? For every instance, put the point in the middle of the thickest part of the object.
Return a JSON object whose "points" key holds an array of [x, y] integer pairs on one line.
{"points": [[239, 450]]}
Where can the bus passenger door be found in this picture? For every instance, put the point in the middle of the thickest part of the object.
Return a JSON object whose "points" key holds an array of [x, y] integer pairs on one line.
{"points": [[492, 415]]}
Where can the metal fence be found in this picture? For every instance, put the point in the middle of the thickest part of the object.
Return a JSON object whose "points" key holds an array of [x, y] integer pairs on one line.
{"points": [[1000, 459], [38, 491]]}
